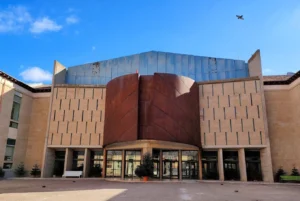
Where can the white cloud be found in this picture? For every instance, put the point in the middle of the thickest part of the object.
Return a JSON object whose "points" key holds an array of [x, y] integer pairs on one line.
{"points": [[14, 18], [72, 19], [93, 48], [43, 25], [36, 74]]}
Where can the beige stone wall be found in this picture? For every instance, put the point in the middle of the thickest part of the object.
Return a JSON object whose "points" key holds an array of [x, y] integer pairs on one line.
{"points": [[231, 114], [283, 111], [37, 132], [6, 100], [77, 116]]}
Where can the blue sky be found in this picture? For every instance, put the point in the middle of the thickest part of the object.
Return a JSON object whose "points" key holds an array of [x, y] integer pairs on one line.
{"points": [[34, 33]]}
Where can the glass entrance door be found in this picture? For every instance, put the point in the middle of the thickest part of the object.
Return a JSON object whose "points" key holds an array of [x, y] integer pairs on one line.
{"points": [[231, 165], [170, 169], [114, 163], [189, 170]]}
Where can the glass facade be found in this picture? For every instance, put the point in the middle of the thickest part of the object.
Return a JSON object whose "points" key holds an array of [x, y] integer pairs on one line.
{"points": [[132, 160], [156, 163], [78, 160], [210, 165], [114, 163], [189, 164], [96, 164]]}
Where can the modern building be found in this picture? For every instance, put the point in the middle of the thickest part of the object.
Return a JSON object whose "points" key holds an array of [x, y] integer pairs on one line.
{"points": [[199, 117]]}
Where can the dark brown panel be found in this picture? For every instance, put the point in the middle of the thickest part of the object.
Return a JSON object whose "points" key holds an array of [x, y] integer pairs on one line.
{"points": [[169, 109], [121, 109]]}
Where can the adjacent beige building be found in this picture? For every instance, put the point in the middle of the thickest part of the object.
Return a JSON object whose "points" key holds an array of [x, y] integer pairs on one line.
{"points": [[248, 127]]}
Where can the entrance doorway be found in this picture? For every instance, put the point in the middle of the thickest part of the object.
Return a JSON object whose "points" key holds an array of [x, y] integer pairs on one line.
{"points": [[170, 169], [210, 165], [189, 170], [253, 165], [59, 163], [170, 165], [231, 165], [189, 165]]}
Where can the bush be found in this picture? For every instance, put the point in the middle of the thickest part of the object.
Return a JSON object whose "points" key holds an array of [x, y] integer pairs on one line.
{"points": [[20, 170], [295, 172], [279, 173], [2, 173], [35, 171], [146, 168]]}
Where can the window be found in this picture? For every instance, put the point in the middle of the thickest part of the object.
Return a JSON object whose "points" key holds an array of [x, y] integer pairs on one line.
{"points": [[78, 160], [15, 112], [9, 153]]}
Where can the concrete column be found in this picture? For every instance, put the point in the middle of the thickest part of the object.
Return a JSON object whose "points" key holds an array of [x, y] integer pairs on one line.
{"points": [[104, 164], [180, 164], [220, 164], [266, 165], [123, 164], [160, 165], [47, 169], [87, 162], [68, 159], [242, 165], [200, 165]]}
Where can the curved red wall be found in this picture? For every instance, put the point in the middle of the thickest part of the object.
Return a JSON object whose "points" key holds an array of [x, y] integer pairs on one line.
{"points": [[165, 108], [121, 109]]}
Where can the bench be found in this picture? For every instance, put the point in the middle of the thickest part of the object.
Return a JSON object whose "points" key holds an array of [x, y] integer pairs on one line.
{"points": [[72, 174], [290, 178]]}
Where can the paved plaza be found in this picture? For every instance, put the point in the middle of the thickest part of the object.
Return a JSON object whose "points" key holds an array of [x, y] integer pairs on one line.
{"points": [[100, 190]]}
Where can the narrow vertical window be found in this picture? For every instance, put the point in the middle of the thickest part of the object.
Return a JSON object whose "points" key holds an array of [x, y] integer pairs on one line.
{"points": [[88, 102], [51, 138], [230, 125], [61, 136], [64, 115], [82, 114], [246, 112], [226, 138], [260, 134], [204, 138], [102, 93], [237, 138], [202, 91], [57, 126], [86, 124], [95, 126], [67, 130], [80, 138], [253, 122], [54, 114], [71, 138], [76, 126], [203, 114], [78, 104], [233, 87], [255, 86], [215, 136], [93, 93], [56, 93], [212, 90], [219, 125], [224, 112], [66, 93], [223, 89], [75, 94], [229, 100], [249, 139], [244, 87], [209, 126], [90, 139], [97, 104], [251, 99], [73, 115], [218, 101], [91, 115], [100, 115], [240, 99], [207, 101], [60, 104], [69, 104], [84, 93], [214, 116], [99, 138], [258, 115], [235, 112], [242, 125]]}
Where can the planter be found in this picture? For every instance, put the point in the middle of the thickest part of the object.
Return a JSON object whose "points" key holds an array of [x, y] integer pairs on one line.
{"points": [[146, 178]]}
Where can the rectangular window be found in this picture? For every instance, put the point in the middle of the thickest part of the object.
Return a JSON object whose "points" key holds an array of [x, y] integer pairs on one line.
{"points": [[15, 112], [9, 153]]}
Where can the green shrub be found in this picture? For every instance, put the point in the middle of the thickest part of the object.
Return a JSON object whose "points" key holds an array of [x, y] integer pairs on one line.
{"points": [[2, 173], [20, 170], [295, 172], [35, 171], [279, 173]]}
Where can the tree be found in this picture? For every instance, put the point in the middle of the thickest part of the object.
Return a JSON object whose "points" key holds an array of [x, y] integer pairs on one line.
{"points": [[279, 173], [146, 168], [35, 171], [295, 172], [2, 173], [20, 170]]}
